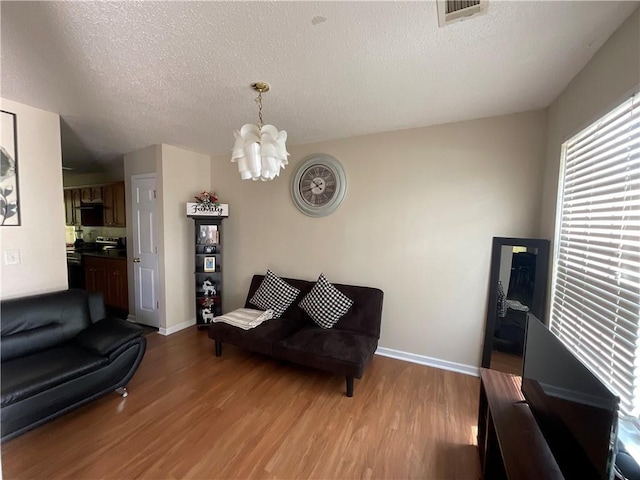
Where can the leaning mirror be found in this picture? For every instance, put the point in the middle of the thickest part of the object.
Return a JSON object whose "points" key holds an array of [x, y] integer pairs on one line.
{"points": [[517, 285]]}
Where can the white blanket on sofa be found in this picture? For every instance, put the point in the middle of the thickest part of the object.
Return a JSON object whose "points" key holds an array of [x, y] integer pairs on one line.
{"points": [[245, 318]]}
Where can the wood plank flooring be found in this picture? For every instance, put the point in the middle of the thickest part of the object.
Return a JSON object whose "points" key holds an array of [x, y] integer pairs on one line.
{"points": [[245, 416]]}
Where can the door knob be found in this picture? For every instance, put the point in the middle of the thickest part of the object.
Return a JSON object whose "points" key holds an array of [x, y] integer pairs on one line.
{"points": [[136, 260]]}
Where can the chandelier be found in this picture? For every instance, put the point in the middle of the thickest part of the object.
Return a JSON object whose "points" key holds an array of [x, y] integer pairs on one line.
{"points": [[260, 150]]}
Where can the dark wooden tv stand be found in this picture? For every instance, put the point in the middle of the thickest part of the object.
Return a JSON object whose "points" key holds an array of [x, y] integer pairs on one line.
{"points": [[510, 442]]}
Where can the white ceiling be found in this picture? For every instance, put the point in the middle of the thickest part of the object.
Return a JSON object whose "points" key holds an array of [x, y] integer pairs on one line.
{"points": [[126, 75]]}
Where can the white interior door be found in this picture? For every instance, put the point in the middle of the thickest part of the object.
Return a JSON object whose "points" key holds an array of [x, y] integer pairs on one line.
{"points": [[145, 250]]}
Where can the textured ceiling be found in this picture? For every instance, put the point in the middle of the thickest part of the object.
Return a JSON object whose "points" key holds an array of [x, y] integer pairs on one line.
{"points": [[125, 75]]}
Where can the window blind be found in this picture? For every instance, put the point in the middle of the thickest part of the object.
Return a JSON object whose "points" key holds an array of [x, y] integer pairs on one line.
{"points": [[595, 298]]}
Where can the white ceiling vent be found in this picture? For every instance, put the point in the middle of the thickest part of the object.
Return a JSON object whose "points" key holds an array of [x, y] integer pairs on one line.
{"points": [[450, 11]]}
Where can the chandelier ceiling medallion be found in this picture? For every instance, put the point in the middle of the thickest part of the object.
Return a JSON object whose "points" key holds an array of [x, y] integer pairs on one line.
{"points": [[260, 150]]}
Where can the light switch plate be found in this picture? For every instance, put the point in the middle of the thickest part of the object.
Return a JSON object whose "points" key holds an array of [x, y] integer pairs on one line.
{"points": [[12, 257]]}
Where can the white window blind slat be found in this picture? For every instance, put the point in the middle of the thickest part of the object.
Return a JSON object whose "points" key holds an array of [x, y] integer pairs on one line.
{"points": [[606, 144], [612, 118], [616, 179], [609, 269], [599, 287], [592, 247], [618, 159], [630, 243], [623, 198], [626, 307], [621, 323], [595, 299], [575, 255], [625, 186]]}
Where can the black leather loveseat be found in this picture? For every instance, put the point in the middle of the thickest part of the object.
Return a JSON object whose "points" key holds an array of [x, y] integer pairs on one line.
{"points": [[345, 349], [59, 351]]}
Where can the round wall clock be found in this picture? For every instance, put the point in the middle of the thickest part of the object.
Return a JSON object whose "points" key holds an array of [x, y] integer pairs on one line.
{"points": [[319, 185]]}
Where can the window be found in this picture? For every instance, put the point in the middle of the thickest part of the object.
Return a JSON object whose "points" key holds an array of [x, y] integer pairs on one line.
{"points": [[595, 298]]}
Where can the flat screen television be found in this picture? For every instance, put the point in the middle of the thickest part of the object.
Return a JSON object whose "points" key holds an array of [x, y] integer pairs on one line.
{"points": [[577, 413]]}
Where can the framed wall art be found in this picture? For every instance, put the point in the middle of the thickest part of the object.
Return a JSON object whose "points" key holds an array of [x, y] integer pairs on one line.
{"points": [[209, 264], [9, 198]]}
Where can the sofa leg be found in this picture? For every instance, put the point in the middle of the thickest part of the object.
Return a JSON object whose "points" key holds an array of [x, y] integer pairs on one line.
{"points": [[122, 391], [218, 348], [349, 386]]}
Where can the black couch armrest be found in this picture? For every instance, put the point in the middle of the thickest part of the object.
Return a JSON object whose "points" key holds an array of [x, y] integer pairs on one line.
{"points": [[106, 335], [96, 306]]}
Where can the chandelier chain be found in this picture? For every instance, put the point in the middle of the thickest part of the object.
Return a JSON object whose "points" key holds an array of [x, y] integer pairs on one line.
{"points": [[259, 102]]}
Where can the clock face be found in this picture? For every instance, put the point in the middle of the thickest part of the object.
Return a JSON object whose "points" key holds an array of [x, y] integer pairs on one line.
{"points": [[319, 185]]}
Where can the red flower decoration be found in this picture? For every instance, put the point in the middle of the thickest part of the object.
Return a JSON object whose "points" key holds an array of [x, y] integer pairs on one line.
{"points": [[207, 197]]}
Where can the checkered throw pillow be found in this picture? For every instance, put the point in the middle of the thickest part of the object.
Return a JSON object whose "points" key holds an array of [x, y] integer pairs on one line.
{"points": [[274, 294], [325, 304]]}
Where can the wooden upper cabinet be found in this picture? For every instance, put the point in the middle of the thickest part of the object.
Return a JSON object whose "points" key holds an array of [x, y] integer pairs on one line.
{"points": [[91, 194], [85, 194], [77, 198], [110, 197], [72, 200], [114, 206], [69, 217]]}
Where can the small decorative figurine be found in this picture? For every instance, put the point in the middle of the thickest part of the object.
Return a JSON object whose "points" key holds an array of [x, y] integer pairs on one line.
{"points": [[208, 287], [207, 315]]}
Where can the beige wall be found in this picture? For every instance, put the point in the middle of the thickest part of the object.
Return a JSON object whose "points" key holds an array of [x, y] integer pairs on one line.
{"points": [[421, 209], [184, 174], [609, 78], [41, 237], [72, 179]]}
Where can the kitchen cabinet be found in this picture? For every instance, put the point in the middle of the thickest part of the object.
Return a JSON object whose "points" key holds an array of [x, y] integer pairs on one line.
{"points": [[117, 294], [72, 200], [91, 194], [95, 274], [102, 205], [109, 276], [114, 207], [69, 214]]}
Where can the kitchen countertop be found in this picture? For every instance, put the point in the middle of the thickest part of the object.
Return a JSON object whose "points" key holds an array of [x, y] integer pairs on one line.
{"points": [[110, 253]]}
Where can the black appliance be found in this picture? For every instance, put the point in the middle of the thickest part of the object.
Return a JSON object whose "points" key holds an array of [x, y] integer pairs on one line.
{"points": [[91, 214], [107, 243], [75, 267], [577, 413]]}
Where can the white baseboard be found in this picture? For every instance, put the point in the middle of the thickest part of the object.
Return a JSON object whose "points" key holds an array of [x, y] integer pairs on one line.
{"points": [[131, 318], [177, 328], [429, 361]]}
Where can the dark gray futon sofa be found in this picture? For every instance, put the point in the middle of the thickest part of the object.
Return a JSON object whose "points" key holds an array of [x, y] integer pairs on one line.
{"points": [[345, 349]]}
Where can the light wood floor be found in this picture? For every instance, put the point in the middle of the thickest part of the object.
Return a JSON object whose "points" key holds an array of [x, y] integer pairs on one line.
{"points": [[192, 415]]}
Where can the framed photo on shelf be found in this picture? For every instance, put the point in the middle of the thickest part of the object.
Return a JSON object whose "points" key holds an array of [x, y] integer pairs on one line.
{"points": [[209, 264], [208, 234]]}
